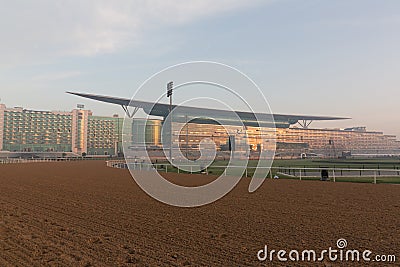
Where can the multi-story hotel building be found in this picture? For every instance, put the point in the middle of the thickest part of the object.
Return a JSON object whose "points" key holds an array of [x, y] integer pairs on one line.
{"points": [[80, 132]]}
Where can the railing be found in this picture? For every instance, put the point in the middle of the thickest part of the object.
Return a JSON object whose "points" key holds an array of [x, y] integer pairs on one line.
{"points": [[14, 160], [300, 173], [19, 160], [340, 174]]}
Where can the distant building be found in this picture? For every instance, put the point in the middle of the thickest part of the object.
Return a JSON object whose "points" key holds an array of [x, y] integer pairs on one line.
{"points": [[336, 142], [290, 142], [28, 130], [80, 132]]}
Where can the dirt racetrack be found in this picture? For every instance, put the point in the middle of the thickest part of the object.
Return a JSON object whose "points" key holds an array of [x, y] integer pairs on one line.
{"points": [[85, 214]]}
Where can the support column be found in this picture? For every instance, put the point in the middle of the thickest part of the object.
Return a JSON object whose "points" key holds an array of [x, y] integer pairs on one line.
{"points": [[128, 114], [305, 123]]}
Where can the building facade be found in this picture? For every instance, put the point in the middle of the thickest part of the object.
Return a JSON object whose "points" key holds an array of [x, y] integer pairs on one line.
{"points": [[77, 132], [81, 133], [104, 135], [289, 142], [336, 142], [40, 131]]}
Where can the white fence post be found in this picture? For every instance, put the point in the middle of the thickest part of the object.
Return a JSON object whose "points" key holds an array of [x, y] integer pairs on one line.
{"points": [[375, 177], [300, 174]]}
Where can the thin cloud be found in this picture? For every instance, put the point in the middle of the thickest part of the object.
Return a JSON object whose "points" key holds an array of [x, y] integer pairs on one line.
{"points": [[34, 31], [54, 76]]}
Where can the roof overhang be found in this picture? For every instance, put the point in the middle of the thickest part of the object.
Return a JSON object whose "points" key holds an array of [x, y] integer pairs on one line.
{"points": [[202, 114]]}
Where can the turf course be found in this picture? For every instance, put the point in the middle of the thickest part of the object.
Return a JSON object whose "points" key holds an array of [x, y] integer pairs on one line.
{"points": [[289, 169]]}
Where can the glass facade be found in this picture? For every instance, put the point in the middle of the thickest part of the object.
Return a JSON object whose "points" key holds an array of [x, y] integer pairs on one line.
{"points": [[226, 138], [80, 132], [333, 142], [146, 132], [290, 142]]}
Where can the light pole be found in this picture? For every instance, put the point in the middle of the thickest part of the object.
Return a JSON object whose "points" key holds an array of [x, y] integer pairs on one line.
{"points": [[187, 137], [170, 86]]}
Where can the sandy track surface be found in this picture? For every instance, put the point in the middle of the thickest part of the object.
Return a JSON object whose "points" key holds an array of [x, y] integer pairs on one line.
{"points": [[85, 214]]}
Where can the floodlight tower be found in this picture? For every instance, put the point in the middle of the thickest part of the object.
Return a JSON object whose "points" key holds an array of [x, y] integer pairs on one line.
{"points": [[170, 87]]}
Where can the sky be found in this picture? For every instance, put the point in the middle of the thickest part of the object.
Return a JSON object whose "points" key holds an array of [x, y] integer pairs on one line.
{"points": [[314, 57]]}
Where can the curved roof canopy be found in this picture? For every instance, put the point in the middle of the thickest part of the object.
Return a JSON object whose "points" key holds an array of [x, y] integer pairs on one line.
{"points": [[202, 115]]}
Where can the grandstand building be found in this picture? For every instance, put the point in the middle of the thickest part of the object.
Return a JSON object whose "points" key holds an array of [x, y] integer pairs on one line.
{"points": [[79, 132], [293, 141], [335, 142]]}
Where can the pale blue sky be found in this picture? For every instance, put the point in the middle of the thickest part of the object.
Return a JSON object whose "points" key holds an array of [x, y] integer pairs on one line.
{"points": [[338, 58]]}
